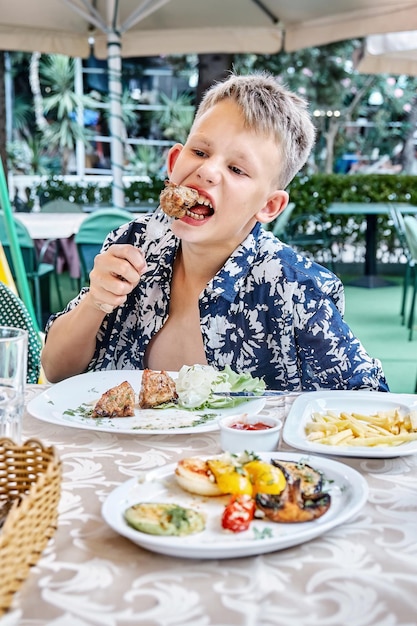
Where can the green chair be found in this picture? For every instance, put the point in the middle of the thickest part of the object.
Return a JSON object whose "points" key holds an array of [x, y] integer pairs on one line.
{"points": [[13, 312], [60, 206], [279, 225], [310, 234], [92, 233], [304, 232], [399, 226], [36, 268], [410, 225]]}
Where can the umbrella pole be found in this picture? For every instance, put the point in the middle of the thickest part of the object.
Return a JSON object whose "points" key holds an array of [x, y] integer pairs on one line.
{"points": [[16, 253], [114, 62]]}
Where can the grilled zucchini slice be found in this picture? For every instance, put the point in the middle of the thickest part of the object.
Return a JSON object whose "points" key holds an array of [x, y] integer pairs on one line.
{"points": [[156, 518]]}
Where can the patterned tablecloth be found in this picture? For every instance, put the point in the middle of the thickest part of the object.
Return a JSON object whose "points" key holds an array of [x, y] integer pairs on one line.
{"points": [[363, 573]]}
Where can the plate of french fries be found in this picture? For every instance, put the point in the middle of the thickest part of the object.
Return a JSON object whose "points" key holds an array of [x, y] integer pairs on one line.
{"points": [[353, 423]]}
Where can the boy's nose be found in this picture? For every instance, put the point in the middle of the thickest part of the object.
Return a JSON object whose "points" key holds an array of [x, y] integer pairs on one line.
{"points": [[208, 173]]}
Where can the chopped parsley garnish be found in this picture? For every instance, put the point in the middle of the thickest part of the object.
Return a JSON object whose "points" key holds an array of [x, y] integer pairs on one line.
{"points": [[265, 533]]}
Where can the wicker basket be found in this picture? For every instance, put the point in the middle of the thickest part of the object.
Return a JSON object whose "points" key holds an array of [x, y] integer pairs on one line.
{"points": [[30, 477]]}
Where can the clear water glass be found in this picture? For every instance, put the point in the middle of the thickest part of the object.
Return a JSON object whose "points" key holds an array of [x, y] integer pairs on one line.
{"points": [[13, 365]]}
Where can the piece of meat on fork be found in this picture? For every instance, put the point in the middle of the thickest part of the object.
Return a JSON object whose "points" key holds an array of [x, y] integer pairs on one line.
{"points": [[176, 199]]}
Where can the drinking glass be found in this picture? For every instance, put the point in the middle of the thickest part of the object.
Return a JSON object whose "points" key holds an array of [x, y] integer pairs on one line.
{"points": [[13, 364]]}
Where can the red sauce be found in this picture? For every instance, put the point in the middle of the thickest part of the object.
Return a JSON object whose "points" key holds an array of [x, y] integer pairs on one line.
{"points": [[256, 426]]}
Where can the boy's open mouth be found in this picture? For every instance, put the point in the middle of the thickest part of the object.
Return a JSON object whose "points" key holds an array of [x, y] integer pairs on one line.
{"points": [[178, 201], [200, 210]]}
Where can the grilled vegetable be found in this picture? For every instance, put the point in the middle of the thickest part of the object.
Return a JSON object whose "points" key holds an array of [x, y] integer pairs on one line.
{"points": [[164, 519], [293, 506], [311, 480], [238, 514], [230, 478], [193, 474], [265, 478]]}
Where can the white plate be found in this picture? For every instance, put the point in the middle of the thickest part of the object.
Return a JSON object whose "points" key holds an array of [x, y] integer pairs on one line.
{"points": [[62, 404], [365, 402], [348, 490]]}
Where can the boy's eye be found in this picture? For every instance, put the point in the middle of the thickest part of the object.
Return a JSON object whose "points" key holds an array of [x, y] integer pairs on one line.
{"points": [[236, 170], [199, 153]]}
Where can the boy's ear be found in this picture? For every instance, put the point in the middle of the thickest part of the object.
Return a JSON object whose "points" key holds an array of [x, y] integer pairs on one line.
{"points": [[275, 205], [173, 154]]}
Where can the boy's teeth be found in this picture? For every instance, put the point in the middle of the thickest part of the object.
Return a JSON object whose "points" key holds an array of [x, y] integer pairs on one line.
{"points": [[195, 216], [204, 201]]}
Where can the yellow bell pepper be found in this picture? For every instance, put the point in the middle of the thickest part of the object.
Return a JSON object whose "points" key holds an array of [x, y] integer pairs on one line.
{"points": [[230, 478], [265, 478]]}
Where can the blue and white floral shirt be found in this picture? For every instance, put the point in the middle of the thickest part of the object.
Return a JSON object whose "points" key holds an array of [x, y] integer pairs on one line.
{"points": [[269, 311]]}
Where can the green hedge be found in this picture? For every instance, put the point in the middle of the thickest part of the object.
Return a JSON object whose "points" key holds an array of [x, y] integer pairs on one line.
{"points": [[316, 192], [137, 192], [311, 194]]}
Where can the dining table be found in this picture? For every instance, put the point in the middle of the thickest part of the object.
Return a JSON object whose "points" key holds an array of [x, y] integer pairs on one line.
{"points": [[360, 573], [52, 225], [371, 211], [62, 227]]}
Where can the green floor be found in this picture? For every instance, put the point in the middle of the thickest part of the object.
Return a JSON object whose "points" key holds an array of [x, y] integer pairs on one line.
{"points": [[373, 315]]}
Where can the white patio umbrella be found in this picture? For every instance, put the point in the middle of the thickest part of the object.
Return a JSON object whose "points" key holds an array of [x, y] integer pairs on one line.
{"points": [[390, 53], [156, 27]]}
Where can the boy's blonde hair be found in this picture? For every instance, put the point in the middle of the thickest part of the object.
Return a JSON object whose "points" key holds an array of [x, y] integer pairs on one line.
{"points": [[268, 107]]}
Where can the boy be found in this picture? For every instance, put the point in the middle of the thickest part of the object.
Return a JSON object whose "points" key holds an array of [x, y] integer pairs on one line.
{"points": [[216, 287]]}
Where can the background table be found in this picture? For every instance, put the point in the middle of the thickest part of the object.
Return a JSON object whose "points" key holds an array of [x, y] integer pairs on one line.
{"points": [[52, 225], [370, 210], [59, 226], [362, 573]]}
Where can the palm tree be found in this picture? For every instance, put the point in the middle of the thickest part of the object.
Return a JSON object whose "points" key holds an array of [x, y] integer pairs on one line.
{"points": [[56, 104], [176, 116]]}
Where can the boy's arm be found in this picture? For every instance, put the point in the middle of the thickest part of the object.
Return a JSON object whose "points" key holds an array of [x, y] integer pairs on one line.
{"points": [[71, 339]]}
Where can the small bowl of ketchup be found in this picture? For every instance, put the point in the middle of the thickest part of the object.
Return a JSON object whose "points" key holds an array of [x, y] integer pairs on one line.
{"points": [[249, 432]]}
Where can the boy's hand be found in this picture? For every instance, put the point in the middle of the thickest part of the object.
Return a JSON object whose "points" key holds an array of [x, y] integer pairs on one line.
{"points": [[115, 274]]}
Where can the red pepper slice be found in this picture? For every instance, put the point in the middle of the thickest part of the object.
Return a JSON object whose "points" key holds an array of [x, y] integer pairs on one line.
{"points": [[239, 513]]}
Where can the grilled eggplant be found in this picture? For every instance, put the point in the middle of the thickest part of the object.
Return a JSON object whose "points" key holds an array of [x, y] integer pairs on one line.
{"points": [[311, 480]]}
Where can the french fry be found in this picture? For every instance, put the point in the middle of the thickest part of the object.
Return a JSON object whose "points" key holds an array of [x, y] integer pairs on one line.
{"points": [[384, 440], [385, 428], [342, 438]]}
